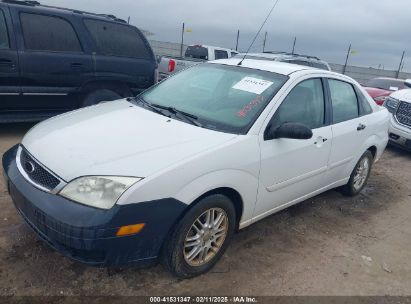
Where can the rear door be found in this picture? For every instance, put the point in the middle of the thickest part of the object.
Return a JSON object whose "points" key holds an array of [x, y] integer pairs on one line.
{"points": [[53, 62], [122, 54], [350, 129], [9, 65]]}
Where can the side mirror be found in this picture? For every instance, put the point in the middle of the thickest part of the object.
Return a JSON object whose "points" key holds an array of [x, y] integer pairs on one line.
{"points": [[408, 83], [290, 130]]}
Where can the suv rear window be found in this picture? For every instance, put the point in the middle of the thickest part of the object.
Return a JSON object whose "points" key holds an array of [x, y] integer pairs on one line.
{"points": [[197, 52], [219, 54], [117, 39], [4, 36], [46, 33]]}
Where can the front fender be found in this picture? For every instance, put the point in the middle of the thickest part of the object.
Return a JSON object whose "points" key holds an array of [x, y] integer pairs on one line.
{"points": [[243, 182]]}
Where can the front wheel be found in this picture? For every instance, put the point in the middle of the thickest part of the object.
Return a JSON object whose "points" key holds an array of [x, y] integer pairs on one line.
{"points": [[359, 176], [200, 238]]}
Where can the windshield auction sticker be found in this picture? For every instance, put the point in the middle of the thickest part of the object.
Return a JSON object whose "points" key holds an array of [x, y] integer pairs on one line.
{"points": [[253, 85]]}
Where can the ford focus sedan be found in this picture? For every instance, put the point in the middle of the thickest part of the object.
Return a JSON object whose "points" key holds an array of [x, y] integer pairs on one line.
{"points": [[171, 174]]}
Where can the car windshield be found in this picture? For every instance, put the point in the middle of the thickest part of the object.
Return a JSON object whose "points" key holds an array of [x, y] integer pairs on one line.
{"points": [[386, 84], [219, 97]]}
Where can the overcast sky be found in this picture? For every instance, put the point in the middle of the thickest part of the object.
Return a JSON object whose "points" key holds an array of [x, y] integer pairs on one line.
{"points": [[379, 30]]}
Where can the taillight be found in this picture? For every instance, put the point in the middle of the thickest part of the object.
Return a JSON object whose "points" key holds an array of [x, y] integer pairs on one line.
{"points": [[171, 65]]}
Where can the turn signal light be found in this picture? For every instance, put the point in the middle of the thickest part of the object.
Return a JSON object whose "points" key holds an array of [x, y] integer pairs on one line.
{"points": [[129, 230]]}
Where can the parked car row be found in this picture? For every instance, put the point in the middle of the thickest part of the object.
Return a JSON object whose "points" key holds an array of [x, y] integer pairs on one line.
{"points": [[226, 142]]}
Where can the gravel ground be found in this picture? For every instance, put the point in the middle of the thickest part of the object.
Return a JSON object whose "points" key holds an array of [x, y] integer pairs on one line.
{"points": [[328, 245]]}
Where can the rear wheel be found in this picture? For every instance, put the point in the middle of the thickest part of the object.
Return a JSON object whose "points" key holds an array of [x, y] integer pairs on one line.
{"points": [[200, 238], [100, 96], [360, 175]]}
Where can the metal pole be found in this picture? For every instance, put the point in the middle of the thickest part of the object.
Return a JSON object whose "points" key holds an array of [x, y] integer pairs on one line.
{"points": [[265, 40], [238, 38], [346, 59], [128, 21], [295, 42], [399, 68], [182, 40]]}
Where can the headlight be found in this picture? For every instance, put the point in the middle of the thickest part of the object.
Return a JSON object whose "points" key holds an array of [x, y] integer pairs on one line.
{"points": [[98, 191], [391, 104]]}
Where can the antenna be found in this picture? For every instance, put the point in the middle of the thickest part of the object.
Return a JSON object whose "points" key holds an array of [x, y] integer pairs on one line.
{"points": [[258, 33]]}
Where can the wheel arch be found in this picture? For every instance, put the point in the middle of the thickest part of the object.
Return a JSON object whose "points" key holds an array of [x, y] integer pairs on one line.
{"points": [[233, 195]]}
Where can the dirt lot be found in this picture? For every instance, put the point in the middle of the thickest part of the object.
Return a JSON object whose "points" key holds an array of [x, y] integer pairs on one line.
{"points": [[329, 245]]}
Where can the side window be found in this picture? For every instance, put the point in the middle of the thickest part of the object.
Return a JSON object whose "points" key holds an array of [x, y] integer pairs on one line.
{"points": [[365, 107], [220, 54], [117, 39], [46, 33], [344, 101], [4, 36], [305, 104]]}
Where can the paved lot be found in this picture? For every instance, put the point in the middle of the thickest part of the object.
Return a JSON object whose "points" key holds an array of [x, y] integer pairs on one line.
{"points": [[329, 245]]}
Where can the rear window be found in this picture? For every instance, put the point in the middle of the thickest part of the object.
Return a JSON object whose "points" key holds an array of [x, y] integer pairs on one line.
{"points": [[4, 37], [47, 33], [219, 54], [117, 40], [197, 52]]}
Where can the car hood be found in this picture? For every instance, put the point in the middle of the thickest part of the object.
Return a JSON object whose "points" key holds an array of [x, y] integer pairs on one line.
{"points": [[116, 138], [403, 95], [375, 92]]}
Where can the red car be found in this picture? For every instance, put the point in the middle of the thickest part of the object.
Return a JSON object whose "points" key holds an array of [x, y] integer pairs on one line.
{"points": [[380, 88]]}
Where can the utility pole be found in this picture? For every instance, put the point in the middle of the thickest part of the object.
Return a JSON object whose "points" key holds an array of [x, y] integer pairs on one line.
{"points": [[295, 42], [238, 38], [182, 40], [265, 40], [346, 59], [400, 67]]}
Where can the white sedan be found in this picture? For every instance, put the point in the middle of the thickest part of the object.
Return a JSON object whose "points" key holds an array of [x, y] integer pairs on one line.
{"points": [[171, 174]]}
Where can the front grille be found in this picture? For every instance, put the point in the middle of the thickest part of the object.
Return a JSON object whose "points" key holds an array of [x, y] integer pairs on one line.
{"points": [[36, 173], [404, 113]]}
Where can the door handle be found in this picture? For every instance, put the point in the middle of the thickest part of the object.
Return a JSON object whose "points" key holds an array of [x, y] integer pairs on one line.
{"points": [[361, 127], [320, 140]]}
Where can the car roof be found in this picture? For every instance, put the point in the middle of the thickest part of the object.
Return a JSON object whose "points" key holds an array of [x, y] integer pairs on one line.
{"points": [[267, 65], [60, 10], [280, 55]]}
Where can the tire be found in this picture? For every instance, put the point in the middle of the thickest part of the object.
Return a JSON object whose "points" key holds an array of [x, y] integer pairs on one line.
{"points": [[355, 186], [175, 255], [99, 96]]}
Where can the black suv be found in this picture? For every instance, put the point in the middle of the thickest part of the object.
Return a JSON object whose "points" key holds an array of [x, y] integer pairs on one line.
{"points": [[53, 60]]}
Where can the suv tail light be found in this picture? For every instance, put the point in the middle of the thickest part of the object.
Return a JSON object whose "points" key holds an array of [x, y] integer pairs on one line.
{"points": [[171, 65]]}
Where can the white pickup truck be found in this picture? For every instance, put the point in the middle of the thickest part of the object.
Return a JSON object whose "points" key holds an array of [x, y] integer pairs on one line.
{"points": [[194, 54]]}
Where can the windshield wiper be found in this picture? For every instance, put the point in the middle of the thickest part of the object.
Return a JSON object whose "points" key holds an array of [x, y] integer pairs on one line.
{"points": [[186, 116], [147, 104]]}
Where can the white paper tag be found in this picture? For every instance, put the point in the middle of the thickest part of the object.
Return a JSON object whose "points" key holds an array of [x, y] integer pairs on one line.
{"points": [[394, 88], [253, 85]]}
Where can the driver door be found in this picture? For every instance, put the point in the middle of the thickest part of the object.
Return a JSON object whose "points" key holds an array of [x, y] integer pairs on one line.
{"points": [[293, 169]]}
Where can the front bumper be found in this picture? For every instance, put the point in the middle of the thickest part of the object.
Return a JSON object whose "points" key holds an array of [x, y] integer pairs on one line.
{"points": [[400, 135], [87, 234]]}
